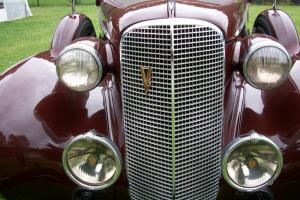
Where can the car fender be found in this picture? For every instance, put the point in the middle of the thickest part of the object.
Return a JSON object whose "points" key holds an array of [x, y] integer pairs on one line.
{"points": [[69, 29], [39, 115], [283, 29], [274, 114]]}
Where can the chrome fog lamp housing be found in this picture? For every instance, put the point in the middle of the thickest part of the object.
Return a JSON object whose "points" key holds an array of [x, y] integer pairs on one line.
{"points": [[267, 65], [79, 67], [92, 161], [251, 162]]}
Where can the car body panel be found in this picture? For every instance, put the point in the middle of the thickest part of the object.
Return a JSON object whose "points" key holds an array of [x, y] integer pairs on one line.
{"points": [[65, 32], [229, 16], [283, 29], [39, 115]]}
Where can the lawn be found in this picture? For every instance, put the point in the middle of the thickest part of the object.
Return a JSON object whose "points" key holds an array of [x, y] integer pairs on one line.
{"points": [[22, 38]]}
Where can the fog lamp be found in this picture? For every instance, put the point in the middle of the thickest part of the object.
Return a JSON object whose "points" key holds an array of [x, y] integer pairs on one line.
{"points": [[251, 162], [267, 65], [92, 161], [78, 66]]}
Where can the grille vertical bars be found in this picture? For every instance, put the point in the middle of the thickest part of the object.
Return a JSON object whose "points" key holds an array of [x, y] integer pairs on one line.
{"points": [[173, 134]]}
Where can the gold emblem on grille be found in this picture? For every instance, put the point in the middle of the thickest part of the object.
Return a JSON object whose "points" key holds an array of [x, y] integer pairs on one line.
{"points": [[147, 78]]}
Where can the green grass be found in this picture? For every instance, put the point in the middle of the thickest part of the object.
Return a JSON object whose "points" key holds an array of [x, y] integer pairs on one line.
{"points": [[34, 3], [2, 197], [22, 38]]}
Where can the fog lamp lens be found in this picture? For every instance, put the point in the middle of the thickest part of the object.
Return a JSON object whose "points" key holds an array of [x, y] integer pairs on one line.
{"points": [[79, 67], [251, 162], [267, 65], [92, 161]]}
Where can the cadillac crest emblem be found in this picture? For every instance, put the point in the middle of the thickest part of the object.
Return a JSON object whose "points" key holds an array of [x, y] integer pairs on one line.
{"points": [[147, 78]]}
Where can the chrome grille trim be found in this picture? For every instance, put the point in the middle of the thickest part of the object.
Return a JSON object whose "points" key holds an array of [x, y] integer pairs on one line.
{"points": [[173, 135]]}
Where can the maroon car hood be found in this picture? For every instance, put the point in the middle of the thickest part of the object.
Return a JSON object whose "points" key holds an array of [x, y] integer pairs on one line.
{"points": [[228, 15]]}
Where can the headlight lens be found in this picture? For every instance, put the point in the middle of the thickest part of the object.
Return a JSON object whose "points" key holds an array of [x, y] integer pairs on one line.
{"points": [[79, 67], [251, 162], [267, 65], [92, 161]]}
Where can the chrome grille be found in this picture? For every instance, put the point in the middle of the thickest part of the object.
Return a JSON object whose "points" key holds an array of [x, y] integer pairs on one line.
{"points": [[173, 134]]}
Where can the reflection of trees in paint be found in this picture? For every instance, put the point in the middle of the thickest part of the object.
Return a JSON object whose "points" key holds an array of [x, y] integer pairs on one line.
{"points": [[1, 4]]}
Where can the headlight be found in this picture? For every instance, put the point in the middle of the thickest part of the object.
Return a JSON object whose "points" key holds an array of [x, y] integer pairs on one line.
{"points": [[267, 65], [92, 161], [79, 67], [251, 162]]}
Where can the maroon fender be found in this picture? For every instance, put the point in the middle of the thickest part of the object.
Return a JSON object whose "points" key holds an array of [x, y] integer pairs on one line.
{"points": [[39, 115], [282, 28], [235, 91], [273, 113], [71, 27]]}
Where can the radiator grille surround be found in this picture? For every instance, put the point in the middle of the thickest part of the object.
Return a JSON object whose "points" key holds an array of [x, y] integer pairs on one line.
{"points": [[173, 134]]}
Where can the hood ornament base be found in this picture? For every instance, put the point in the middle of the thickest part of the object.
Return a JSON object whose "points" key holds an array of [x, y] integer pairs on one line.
{"points": [[171, 8]]}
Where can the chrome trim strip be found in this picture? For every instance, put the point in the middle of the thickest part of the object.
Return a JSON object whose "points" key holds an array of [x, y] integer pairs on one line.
{"points": [[172, 22], [254, 137], [173, 111], [94, 135]]}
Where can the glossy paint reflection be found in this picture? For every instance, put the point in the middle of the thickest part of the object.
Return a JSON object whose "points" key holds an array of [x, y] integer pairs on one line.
{"points": [[40, 115], [275, 113], [228, 15]]}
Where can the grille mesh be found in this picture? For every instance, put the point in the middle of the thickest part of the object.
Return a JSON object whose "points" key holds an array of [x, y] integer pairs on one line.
{"points": [[173, 134]]}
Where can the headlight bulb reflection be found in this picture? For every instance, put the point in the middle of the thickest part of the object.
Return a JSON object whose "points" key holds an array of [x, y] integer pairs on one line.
{"points": [[92, 161], [251, 162]]}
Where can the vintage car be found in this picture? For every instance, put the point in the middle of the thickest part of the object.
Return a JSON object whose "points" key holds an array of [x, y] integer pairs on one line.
{"points": [[177, 100]]}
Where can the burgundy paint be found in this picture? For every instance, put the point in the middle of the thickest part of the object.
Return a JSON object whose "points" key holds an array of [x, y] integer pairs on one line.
{"points": [[39, 115], [34, 132], [284, 30], [227, 16], [66, 32]]}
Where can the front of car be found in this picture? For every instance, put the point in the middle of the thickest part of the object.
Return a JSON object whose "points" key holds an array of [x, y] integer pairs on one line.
{"points": [[174, 64], [183, 91]]}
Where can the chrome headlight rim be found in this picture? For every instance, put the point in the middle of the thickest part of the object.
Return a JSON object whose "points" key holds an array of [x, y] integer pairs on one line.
{"points": [[260, 45], [250, 137], [87, 49], [93, 135]]}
